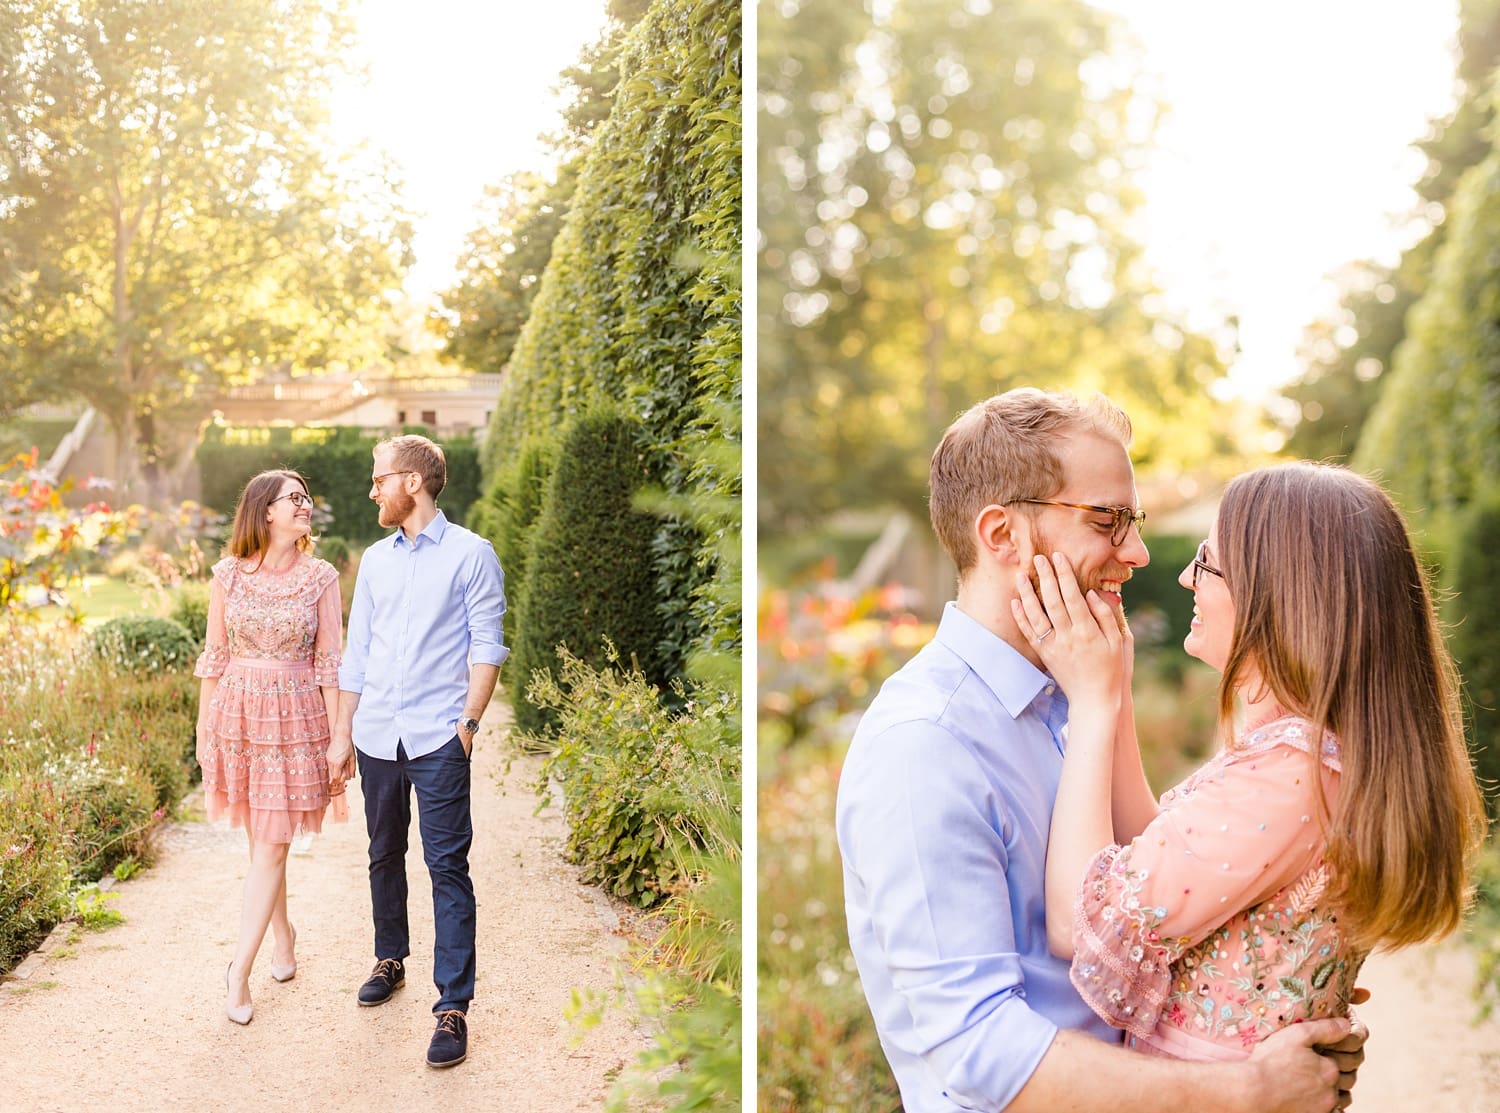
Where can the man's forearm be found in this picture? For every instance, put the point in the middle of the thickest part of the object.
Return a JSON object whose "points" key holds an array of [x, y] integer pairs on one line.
{"points": [[482, 680], [348, 705], [1080, 1074]]}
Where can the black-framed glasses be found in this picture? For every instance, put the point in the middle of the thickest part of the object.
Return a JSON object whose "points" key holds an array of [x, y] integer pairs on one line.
{"points": [[1123, 516], [299, 499], [1200, 565], [375, 480]]}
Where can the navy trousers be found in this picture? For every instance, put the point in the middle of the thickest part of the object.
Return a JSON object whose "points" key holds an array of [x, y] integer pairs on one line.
{"points": [[441, 781]]}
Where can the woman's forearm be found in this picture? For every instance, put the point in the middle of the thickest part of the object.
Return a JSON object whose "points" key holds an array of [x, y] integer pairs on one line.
{"points": [[1081, 822], [1134, 804]]}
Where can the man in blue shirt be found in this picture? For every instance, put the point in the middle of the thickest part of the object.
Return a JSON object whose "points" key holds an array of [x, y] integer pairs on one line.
{"points": [[424, 651], [945, 801]]}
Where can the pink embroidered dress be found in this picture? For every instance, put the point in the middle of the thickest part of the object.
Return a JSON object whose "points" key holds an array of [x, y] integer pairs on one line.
{"points": [[273, 640], [1210, 930]]}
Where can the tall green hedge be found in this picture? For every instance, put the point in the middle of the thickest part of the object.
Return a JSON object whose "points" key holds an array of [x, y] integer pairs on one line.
{"points": [[640, 303], [336, 462], [1434, 436], [588, 569], [506, 513], [1475, 636]]}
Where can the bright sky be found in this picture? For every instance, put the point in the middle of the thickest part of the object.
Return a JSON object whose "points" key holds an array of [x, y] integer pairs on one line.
{"points": [[1286, 152], [459, 91]]}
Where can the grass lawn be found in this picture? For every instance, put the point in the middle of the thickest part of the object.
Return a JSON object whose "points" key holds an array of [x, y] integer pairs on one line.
{"points": [[101, 598]]}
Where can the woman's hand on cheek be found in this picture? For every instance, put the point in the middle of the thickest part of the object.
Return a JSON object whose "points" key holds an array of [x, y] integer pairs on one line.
{"points": [[1077, 636]]}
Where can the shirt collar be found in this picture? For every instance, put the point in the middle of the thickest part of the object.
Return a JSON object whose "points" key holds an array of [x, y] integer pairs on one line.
{"points": [[1014, 680], [433, 532]]}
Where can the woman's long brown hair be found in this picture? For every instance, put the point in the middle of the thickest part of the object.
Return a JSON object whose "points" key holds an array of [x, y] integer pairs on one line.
{"points": [[1334, 616], [251, 536]]}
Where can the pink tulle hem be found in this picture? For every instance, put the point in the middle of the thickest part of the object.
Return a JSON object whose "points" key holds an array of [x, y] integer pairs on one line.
{"points": [[272, 826]]}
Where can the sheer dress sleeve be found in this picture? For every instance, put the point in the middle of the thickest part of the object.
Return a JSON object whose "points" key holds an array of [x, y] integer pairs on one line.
{"points": [[328, 639], [1234, 834], [214, 658]]}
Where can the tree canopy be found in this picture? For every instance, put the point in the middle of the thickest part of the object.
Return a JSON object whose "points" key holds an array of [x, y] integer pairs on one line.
{"points": [[1346, 354], [505, 256], [945, 211], [172, 216]]}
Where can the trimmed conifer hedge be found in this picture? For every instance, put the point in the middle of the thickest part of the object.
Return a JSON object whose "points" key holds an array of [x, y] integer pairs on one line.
{"points": [[588, 566]]}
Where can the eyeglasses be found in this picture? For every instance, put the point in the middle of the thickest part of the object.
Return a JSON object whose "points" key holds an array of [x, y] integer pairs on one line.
{"points": [[375, 480], [1124, 517], [298, 499], [1200, 565]]}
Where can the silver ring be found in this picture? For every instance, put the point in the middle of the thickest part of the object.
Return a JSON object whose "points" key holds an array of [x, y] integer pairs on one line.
{"points": [[1041, 637]]}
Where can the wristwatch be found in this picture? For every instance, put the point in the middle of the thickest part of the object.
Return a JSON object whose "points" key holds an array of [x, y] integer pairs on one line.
{"points": [[469, 726]]}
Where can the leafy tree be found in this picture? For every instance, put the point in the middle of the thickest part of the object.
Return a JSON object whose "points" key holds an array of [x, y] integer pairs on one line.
{"points": [[944, 206], [1346, 354], [169, 217], [501, 268], [505, 256]]}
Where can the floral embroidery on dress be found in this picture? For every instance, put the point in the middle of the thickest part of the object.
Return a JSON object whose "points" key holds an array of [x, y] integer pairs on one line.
{"points": [[1177, 931], [273, 642]]}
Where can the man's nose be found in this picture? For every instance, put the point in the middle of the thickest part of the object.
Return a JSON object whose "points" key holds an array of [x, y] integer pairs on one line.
{"points": [[1132, 551]]}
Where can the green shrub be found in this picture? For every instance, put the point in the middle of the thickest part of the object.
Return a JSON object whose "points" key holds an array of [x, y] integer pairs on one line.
{"points": [[335, 550], [588, 568], [34, 867], [691, 981], [93, 755], [145, 644], [636, 777], [116, 812], [188, 607]]}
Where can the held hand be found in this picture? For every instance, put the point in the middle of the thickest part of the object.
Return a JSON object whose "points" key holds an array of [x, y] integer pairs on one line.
{"points": [[1077, 637], [341, 763], [1292, 1077], [1349, 1053]]}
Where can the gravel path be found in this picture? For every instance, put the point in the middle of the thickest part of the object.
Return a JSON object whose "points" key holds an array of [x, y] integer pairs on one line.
{"points": [[1426, 1055], [132, 1018]]}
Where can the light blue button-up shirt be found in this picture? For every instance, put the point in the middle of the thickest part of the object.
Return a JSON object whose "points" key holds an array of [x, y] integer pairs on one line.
{"points": [[944, 804], [423, 612]]}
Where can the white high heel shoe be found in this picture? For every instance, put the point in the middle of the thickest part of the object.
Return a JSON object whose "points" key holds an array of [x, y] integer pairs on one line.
{"points": [[287, 973], [240, 1014]]}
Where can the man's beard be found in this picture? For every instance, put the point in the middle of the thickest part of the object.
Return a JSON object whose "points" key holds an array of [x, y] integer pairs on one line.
{"points": [[396, 509], [1086, 583]]}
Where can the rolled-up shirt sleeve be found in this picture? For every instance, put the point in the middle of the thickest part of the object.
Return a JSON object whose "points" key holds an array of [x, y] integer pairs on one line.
{"points": [[925, 843], [484, 606]]}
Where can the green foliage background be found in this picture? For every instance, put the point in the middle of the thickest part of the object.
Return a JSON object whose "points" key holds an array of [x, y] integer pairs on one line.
{"points": [[640, 302], [336, 462]]}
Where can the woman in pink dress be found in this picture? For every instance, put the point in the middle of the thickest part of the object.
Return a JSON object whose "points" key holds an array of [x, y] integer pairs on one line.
{"points": [[1340, 815], [270, 687]]}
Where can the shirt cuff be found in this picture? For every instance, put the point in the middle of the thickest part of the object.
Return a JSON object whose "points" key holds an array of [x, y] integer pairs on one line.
{"points": [[488, 655]]}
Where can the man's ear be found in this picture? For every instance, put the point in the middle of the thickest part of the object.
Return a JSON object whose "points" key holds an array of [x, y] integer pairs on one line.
{"points": [[995, 528]]}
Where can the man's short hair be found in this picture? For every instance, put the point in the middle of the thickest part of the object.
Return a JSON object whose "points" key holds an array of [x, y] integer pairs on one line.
{"points": [[1005, 449], [416, 453]]}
